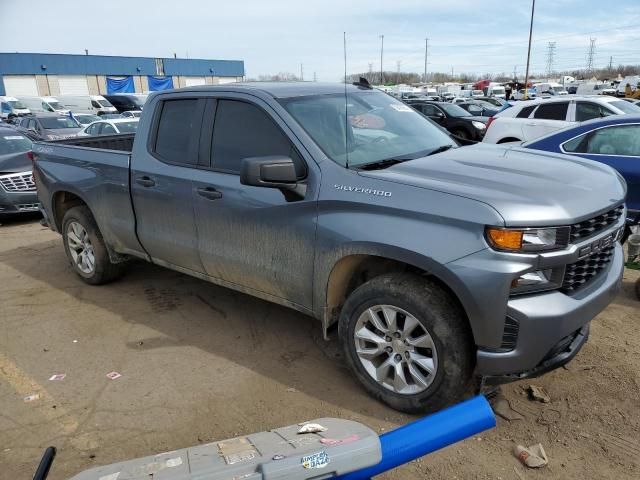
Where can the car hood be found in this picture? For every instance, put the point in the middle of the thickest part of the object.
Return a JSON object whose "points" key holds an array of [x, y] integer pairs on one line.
{"points": [[526, 187], [15, 162]]}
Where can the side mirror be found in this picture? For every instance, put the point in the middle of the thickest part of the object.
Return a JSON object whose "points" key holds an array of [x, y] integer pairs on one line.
{"points": [[438, 115], [272, 171]]}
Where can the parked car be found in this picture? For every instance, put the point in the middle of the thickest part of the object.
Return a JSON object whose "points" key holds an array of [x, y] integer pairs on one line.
{"points": [[131, 114], [495, 101], [634, 101], [17, 190], [549, 89], [632, 80], [483, 244], [44, 104], [456, 120], [595, 88], [49, 126], [520, 94], [111, 116], [534, 118], [11, 107], [110, 127], [85, 118], [96, 104], [125, 101], [479, 108], [614, 141]]}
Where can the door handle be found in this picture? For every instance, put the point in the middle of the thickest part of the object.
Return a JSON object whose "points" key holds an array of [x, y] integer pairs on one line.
{"points": [[209, 193], [145, 181]]}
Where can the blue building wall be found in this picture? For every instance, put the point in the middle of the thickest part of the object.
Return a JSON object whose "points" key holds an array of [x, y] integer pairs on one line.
{"points": [[64, 64]]}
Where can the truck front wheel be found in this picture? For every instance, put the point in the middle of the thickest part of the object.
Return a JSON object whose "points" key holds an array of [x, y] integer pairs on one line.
{"points": [[85, 247], [408, 342]]}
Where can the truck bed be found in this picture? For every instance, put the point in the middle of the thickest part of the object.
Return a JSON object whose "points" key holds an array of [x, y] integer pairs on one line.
{"points": [[122, 142]]}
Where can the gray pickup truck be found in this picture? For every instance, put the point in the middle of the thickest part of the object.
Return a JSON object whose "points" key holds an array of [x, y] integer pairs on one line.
{"points": [[443, 268]]}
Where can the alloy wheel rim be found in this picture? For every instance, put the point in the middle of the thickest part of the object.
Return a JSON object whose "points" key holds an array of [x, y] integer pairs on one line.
{"points": [[80, 248], [395, 349]]}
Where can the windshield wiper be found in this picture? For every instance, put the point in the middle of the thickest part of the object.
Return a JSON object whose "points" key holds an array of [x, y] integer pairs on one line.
{"points": [[380, 164], [440, 149]]}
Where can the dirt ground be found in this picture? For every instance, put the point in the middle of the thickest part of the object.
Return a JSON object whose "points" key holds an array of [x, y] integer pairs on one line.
{"points": [[202, 363]]}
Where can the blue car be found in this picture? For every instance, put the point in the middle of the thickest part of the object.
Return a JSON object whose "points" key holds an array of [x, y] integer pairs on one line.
{"points": [[613, 140]]}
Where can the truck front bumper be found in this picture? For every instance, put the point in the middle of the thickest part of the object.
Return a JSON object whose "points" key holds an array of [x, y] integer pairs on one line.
{"points": [[552, 327], [18, 202]]}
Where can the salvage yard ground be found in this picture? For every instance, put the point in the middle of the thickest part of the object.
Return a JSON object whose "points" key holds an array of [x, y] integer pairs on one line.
{"points": [[202, 363]]}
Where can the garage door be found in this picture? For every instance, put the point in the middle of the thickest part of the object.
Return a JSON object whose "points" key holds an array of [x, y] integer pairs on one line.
{"points": [[193, 81], [20, 85], [73, 85], [222, 80]]}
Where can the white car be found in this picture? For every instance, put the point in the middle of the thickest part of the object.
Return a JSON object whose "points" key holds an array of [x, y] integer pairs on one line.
{"points": [[110, 127], [131, 114], [531, 119]]}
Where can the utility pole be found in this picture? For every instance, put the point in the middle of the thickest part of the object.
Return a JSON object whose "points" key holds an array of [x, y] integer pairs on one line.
{"points": [[301, 73], [515, 76], [426, 55], [611, 63], [526, 75], [398, 74], [550, 54], [381, 54], [315, 77], [370, 68], [591, 54], [451, 73]]}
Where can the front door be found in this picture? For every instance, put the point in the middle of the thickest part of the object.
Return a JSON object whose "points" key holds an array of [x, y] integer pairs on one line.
{"points": [[260, 239]]}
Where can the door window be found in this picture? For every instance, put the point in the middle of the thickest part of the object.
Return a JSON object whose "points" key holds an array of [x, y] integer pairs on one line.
{"points": [[107, 129], [5, 107], [95, 104], [92, 130], [178, 130], [242, 130], [587, 111], [552, 111], [621, 140], [525, 112]]}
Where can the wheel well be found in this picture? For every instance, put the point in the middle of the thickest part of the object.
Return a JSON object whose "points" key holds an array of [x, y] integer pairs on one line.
{"points": [[509, 139], [62, 202], [352, 271]]}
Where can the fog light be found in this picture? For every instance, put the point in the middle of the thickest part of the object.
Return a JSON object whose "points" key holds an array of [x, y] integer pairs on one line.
{"points": [[537, 281]]}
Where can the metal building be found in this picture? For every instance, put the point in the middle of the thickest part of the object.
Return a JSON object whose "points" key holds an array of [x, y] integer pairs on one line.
{"points": [[61, 74]]}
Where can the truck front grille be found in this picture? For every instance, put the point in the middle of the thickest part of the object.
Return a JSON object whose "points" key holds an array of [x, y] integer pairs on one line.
{"points": [[18, 182], [579, 274], [596, 224]]}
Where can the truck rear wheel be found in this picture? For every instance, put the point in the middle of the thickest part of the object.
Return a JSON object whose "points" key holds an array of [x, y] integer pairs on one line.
{"points": [[85, 247], [408, 342]]}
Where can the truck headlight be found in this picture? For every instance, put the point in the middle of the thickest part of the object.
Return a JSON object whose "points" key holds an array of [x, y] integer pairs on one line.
{"points": [[538, 281], [525, 240], [479, 125]]}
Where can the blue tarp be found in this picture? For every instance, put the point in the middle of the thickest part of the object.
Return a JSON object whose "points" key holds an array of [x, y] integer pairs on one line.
{"points": [[120, 85], [159, 83]]}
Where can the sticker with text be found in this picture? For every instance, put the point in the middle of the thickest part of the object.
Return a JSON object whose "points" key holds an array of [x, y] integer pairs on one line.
{"points": [[57, 377], [315, 460], [400, 107]]}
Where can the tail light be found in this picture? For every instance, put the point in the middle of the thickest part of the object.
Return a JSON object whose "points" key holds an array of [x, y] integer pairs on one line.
{"points": [[489, 122], [31, 156]]}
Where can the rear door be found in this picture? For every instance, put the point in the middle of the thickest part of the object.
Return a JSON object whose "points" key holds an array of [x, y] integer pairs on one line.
{"points": [[548, 117], [260, 239], [162, 173]]}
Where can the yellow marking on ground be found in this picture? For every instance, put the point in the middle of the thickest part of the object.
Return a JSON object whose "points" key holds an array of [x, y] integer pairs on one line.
{"points": [[25, 385]]}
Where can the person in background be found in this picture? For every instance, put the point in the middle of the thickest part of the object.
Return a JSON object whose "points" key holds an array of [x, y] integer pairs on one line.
{"points": [[627, 91]]}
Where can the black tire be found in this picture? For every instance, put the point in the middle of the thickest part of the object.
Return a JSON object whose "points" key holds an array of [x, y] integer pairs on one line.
{"points": [[104, 271], [463, 134], [439, 314]]}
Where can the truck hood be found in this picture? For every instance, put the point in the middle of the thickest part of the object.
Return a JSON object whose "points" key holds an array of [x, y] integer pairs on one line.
{"points": [[526, 187], [14, 163]]}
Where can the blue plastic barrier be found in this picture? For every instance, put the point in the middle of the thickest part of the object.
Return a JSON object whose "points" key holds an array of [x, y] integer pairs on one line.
{"points": [[429, 434]]}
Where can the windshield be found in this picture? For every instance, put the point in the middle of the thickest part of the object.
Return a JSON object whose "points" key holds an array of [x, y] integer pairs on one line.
{"points": [[13, 143], [626, 107], [498, 90], [601, 87], [454, 110], [17, 104], [104, 103], [558, 89], [54, 123], [86, 119], [57, 106], [127, 127], [378, 127]]}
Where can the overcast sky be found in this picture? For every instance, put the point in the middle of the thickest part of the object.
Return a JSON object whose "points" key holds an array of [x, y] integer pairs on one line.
{"points": [[273, 36]]}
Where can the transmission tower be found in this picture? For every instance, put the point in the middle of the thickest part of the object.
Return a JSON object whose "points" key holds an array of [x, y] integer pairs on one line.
{"points": [[370, 68], [591, 55], [551, 47]]}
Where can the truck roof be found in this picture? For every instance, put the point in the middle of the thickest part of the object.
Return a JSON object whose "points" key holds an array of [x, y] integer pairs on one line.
{"points": [[279, 89]]}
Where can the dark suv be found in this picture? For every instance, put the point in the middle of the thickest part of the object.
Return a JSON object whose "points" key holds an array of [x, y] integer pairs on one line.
{"points": [[456, 120], [125, 102]]}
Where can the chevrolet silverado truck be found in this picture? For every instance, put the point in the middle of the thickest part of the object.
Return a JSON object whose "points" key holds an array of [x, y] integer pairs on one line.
{"points": [[442, 268]]}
